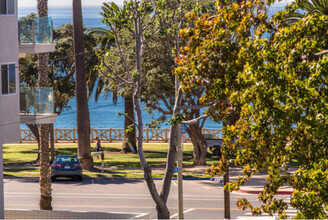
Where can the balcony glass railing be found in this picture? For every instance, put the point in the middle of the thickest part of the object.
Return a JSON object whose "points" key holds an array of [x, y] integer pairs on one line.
{"points": [[35, 31], [36, 101]]}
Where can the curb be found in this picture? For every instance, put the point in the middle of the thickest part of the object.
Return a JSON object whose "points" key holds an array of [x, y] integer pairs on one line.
{"points": [[251, 191], [259, 191], [107, 178]]}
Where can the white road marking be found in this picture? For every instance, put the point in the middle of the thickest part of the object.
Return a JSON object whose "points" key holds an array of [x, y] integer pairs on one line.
{"points": [[140, 216], [174, 183], [175, 215]]}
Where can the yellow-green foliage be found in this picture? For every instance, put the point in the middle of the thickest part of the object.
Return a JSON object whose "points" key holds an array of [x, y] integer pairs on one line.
{"points": [[275, 77]]}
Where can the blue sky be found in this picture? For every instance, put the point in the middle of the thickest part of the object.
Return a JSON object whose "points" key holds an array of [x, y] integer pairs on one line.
{"points": [[25, 3]]}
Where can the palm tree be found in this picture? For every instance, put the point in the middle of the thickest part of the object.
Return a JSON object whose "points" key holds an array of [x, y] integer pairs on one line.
{"points": [[45, 182], [82, 108], [96, 83], [105, 37], [319, 7]]}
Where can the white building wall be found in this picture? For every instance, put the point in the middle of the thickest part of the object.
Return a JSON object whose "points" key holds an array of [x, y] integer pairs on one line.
{"points": [[9, 104], [2, 205]]}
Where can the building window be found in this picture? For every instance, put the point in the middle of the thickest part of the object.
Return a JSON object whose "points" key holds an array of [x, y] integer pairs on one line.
{"points": [[8, 79], [7, 7]]}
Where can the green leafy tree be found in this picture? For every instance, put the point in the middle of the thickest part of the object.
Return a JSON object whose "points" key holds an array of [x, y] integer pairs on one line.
{"points": [[61, 67], [101, 84], [140, 25], [274, 77], [159, 83]]}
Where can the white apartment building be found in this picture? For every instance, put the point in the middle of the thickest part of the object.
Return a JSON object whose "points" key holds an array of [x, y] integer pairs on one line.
{"points": [[29, 105], [9, 83]]}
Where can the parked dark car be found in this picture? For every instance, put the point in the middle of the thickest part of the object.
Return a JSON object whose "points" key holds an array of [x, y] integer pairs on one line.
{"points": [[66, 166]]}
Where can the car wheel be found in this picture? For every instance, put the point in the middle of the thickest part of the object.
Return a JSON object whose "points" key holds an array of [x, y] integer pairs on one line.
{"points": [[217, 152], [53, 178]]}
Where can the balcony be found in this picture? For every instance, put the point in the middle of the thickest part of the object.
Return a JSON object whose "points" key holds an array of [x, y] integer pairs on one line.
{"points": [[37, 106], [35, 36]]}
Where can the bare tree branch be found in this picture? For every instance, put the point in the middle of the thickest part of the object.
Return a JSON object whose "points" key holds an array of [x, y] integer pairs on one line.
{"points": [[151, 21], [182, 107], [314, 56], [114, 72], [134, 122], [160, 109], [194, 121], [203, 123], [112, 78], [127, 69]]}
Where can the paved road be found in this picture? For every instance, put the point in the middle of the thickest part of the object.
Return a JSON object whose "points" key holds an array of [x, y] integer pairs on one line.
{"points": [[203, 199]]}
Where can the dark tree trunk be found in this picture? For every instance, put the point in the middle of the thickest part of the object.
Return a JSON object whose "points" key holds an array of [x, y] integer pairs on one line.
{"points": [[162, 213], [52, 143], [45, 181], [82, 109], [231, 120], [35, 131], [199, 144], [131, 135]]}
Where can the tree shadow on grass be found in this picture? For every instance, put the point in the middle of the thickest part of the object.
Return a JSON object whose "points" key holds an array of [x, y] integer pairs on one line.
{"points": [[66, 151], [155, 154], [123, 164], [7, 162], [34, 151], [111, 149]]}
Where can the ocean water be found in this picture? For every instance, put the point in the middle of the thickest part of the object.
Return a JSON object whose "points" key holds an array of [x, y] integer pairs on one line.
{"points": [[63, 15], [103, 114]]}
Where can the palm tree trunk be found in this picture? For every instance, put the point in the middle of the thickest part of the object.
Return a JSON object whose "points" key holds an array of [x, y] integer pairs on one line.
{"points": [[45, 180], [52, 143], [45, 183], [82, 109]]}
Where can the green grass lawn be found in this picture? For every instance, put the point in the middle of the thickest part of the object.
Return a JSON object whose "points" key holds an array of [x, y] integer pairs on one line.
{"points": [[20, 154]]}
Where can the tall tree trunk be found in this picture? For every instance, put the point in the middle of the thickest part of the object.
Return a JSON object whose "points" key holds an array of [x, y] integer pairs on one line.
{"points": [[231, 120], [128, 123], [162, 211], [52, 143], [82, 109], [45, 180], [161, 206], [199, 144], [45, 183]]}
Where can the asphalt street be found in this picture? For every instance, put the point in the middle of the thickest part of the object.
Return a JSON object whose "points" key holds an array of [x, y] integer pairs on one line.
{"points": [[203, 199]]}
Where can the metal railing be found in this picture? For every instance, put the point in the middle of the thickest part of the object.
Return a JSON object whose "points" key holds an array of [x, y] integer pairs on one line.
{"points": [[113, 135], [36, 101], [35, 31]]}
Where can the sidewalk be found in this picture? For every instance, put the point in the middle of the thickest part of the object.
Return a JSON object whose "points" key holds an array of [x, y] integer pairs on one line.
{"points": [[255, 184]]}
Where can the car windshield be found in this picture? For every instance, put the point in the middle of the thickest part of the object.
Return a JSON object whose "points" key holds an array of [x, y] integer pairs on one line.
{"points": [[66, 159]]}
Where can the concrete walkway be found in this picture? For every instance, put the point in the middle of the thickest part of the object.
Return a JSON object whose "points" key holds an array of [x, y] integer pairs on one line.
{"points": [[256, 184]]}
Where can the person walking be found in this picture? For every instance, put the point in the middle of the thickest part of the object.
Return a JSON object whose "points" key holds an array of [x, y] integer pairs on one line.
{"points": [[98, 145]]}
